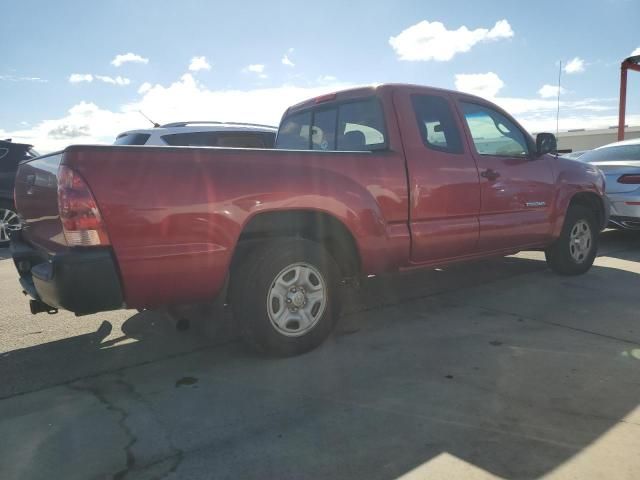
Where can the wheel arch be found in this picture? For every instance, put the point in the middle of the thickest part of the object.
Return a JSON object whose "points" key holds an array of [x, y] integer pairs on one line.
{"points": [[313, 225], [593, 202], [585, 198]]}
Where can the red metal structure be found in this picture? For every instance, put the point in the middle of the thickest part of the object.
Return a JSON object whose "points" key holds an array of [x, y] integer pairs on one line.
{"points": [[631, 63]]}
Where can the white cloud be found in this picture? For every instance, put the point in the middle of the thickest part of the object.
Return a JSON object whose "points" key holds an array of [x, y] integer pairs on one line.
{"points": [[432, 41], [80, 77], [256, 68], [17, 78], [635, 52], [128, 58], [327, 79], [286, 60], [88, 78], [185, 98], [482, 84], [575, 65], [539, 114], [144, 88], [199, 63], [113, 80], [550, 91]]}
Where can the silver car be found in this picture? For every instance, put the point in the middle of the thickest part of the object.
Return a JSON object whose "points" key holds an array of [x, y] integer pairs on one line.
{"points": [[620, 163]]}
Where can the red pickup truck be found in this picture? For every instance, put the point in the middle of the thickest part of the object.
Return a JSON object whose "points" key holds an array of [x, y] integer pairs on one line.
{"points": [[364, 181]]}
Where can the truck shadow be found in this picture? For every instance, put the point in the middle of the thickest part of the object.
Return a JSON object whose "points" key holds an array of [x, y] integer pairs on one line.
{"points": [[493, 363]]}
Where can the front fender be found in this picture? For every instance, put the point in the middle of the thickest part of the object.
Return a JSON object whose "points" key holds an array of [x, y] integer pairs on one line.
{"points": [[575, 180]]}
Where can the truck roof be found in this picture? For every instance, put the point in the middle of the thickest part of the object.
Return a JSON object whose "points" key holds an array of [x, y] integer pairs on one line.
{"points": [[371, 90]]}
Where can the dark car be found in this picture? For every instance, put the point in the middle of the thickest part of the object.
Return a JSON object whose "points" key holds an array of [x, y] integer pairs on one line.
{"points": [[11, 154]]}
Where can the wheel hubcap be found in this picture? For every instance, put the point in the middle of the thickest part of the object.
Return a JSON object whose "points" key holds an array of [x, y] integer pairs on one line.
{"points": [[9, 222], [580, 241], [297, 299]]}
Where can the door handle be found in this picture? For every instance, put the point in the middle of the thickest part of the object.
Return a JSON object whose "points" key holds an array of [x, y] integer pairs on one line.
{"points": [[490, 174]]}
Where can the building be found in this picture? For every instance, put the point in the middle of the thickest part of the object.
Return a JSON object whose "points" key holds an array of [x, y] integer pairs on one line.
{"points": [[581, 139]]}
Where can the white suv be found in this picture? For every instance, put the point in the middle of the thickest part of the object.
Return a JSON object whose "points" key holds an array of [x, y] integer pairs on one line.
{"points": [[202, 134]]}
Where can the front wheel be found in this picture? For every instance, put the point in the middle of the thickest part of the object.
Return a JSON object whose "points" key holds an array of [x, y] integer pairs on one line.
{"points": [[284, 293], [9, 222], [575, 250]]}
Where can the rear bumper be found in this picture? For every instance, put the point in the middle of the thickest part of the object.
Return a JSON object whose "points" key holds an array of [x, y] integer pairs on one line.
{"points": [[82, 281], [625, 210]]}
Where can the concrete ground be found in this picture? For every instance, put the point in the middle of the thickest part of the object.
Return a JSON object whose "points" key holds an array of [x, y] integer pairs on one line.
{"points": [[498, 369]]}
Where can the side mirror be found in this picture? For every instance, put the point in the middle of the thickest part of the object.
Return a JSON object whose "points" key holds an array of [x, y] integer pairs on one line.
{"points": [[546, 143]]}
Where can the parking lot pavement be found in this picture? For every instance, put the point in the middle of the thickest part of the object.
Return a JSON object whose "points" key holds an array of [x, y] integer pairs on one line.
{"points": [[495, 369]]}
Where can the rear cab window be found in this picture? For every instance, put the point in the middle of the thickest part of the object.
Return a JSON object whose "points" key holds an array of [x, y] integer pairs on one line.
{"points": [[351, 125]]}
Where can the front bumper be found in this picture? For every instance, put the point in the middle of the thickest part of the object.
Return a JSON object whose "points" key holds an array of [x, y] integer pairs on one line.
{"points": [[625, 210], [82, 281]]}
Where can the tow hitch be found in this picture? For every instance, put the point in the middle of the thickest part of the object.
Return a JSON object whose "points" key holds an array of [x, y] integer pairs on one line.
{"points": [[37, 306]]}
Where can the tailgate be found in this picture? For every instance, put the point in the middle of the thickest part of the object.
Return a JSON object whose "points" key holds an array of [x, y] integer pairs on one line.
{"points": [[36, 195]]}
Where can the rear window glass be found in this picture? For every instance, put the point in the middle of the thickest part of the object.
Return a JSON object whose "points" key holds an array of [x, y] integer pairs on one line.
{"points": [[192, 139], [132, 139], [241, 140], [220, 139], [612, 154], [350, 126]]}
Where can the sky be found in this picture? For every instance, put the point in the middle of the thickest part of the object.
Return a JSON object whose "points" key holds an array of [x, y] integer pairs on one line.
{"points": [[80, 72]]}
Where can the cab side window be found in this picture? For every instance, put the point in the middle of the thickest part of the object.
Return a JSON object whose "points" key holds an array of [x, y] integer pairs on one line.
{"points": [[437, 123], [493, 133]]}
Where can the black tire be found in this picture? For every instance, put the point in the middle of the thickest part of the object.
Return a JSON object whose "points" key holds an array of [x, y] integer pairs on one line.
{"points": [[561, 256], [255, 279]]}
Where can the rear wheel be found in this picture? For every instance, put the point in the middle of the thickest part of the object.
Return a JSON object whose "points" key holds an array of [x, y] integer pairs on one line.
{"points": [[284, 296], [575, 250], [9, 222]]}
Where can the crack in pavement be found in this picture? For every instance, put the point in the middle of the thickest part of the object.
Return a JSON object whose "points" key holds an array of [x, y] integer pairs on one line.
{"points": [[178, 453], [134, 465], [364, 309], [554, 324], [123, 416]]}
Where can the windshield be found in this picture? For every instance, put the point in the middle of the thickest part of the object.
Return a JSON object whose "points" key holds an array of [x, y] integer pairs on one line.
{"points": [[610, 154]]}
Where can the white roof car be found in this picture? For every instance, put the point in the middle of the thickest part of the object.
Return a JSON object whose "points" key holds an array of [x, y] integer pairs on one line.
{"points": [[620, 163], [631, 141], [202, 134]]}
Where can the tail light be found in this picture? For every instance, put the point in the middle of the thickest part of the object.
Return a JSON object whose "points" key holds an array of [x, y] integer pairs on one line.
{"points": [[81, 220], [630, 179]]}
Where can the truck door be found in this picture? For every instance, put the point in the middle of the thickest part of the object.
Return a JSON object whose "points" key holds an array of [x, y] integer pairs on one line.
{"points": [[517, 188], [444, 191]]}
